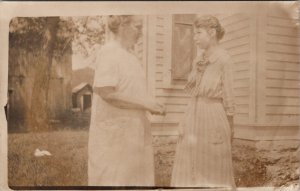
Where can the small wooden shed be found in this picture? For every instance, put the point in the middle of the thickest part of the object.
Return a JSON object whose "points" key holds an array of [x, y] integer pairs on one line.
{"points": [[82, 96]]}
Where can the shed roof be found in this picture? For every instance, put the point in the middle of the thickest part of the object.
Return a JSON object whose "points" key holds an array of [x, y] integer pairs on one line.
{"points": [[80, 87]]}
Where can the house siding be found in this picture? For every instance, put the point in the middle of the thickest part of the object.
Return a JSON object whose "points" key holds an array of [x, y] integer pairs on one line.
{"points": [[237, 41], [282, 68], [264, 47]]}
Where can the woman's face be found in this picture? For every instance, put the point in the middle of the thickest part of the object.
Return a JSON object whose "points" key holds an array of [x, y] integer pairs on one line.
{"points": [[133, 31], [202, 38]]}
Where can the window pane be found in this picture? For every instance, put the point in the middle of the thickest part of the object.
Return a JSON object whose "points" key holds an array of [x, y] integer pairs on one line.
{"points": [[182, 46]]}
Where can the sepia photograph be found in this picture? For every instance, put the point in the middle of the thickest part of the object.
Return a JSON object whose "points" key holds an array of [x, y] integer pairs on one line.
{"points": [[184, 99]]}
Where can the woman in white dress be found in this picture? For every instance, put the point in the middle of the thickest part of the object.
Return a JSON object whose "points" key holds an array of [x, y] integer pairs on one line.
{"points": [[120, 144], [203, 155]]}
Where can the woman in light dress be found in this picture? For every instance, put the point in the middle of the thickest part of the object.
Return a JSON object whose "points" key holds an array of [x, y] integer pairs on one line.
{"points": [[203, 155], [120, 144]]}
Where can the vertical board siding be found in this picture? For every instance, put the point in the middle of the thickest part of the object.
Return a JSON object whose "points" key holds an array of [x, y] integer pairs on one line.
{"points": [[21, 74]]}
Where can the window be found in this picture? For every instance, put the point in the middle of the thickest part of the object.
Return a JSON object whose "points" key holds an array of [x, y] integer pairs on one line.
{"points": [[183, 48]]}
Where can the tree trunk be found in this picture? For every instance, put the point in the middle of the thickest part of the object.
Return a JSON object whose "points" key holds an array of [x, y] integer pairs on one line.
{"points": [[38, 112]]}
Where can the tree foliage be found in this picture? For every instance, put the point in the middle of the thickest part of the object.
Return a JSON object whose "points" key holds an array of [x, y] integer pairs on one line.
{"points": [[90, 31], [48, 38], [82, 32]]}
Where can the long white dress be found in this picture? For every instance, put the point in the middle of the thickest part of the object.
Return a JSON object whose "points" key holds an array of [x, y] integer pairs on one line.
{"points": [[203, 156], [120, 144]]}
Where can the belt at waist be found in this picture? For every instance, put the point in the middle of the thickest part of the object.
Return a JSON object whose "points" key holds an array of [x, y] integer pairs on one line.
{"points": [[209, 99]]}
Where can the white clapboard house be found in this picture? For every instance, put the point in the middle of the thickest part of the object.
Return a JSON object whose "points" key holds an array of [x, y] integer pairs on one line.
{"points": [[264, 45]]}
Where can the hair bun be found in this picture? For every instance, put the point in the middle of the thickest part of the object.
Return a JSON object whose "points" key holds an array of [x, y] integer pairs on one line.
{"points": [[210, 21], [221, 32], [113, 23]]}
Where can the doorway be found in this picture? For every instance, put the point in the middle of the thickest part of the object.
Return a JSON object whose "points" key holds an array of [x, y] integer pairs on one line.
{"points": [[87, 101]]}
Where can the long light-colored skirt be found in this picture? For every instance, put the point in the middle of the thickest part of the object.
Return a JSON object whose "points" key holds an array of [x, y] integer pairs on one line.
{"points": [[120, 151], [203, 155]]}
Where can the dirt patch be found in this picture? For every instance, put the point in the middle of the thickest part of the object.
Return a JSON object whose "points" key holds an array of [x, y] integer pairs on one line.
{"points": [[254, 164]]}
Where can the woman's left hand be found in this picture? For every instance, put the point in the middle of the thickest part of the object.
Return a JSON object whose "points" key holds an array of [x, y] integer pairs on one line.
{"points": [[162, 109], [157, 109]]}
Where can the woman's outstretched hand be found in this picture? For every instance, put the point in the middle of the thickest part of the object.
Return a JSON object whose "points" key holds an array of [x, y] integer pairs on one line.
{"points": [[157, 109]]}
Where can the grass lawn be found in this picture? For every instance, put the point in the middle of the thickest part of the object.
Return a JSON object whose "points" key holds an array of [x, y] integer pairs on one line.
{"points": [[68, 164]]}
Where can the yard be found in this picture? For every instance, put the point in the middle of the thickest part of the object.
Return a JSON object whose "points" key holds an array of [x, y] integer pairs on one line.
{"points": [[67, 166]]}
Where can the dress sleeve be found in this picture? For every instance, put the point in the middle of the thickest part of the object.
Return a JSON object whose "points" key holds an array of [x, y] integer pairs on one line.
{"points": [[107, 70], [227, 88]]}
